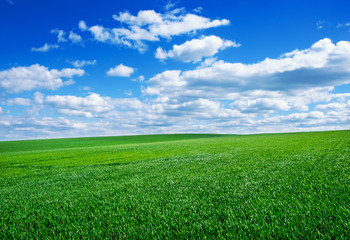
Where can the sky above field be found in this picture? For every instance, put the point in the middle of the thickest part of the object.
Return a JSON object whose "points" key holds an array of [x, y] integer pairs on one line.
{"points": [[96, 68]]}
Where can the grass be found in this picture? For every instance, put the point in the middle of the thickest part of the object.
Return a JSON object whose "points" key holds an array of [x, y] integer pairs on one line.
{"points": [[273, 186]]}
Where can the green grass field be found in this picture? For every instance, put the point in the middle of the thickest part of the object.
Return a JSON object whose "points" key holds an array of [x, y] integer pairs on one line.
{"points": [[274, 186]]}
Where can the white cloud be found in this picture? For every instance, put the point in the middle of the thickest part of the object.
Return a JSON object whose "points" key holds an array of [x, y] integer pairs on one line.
{"points": [[169, 5], [198, 10], [82, 63], [184, 24], [92, 105], [19, 101], [120, 71], [343, 25], [85, 88], [75, 113], [82, 26], [75, 38], [332, 106], [38, 97], [60, 35], [45, 48], [149, 25], [19, 79], [1, 111], [320, 24], [80, 106], [261, 105], [215, 97], [141, 78], [207, 62], [100, 33], [291, 82], [143, 18], [196, 49], [128, 92], [324, 64]]}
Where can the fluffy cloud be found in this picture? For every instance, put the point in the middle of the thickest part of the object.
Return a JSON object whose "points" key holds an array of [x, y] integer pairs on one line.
{"points": [[100, 33], [143, 18], [94, 102], [47, 47], [120, 71], [324, 64], [291, 82], [334, 106], [19, 101], [19, 79], [217, 97], [149, 25], [198, 10], [60, 35], [45, 127], [74, 113], [168, 24], [39, 98], [261, 105], [196, 49], [75, 38], [92, 105], [79, 106], [82, 26], [82, 63]]}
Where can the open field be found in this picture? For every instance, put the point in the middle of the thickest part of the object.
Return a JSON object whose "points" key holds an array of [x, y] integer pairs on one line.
{"points": [[294, 185]]}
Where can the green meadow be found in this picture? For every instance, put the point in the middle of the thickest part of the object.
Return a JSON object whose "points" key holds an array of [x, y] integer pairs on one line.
{"points": [[181, 186]]}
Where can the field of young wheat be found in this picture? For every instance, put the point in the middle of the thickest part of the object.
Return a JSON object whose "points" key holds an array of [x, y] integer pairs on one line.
{"points": [[294, 185]]}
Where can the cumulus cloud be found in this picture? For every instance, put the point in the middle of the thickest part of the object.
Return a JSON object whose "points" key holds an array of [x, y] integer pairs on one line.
{"points": [[19, 101], [298, 119], [38, 97], [261, 105], [196, 49], [60, 35], [19, 79], [79, 106], [75, 38], [198, 10], [324, 64], [93, 105], [217, 96], [82, 63], [332, 106], [128, 92], [40, 127], [149, 25], [100, 33], [82, 26], [143, 18], [141, 78], [291, 82], [47, 47], [120, 71], [169, 5], [74, 113]]}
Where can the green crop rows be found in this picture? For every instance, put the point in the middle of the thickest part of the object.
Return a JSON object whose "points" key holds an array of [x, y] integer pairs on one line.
{"points": [[276, 186]]}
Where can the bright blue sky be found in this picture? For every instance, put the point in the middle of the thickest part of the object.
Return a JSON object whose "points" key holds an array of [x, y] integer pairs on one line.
{"points": [[93, 68]]}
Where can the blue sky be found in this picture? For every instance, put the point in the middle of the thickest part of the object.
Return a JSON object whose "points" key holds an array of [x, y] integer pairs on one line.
{"points": [[97, 68]]}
